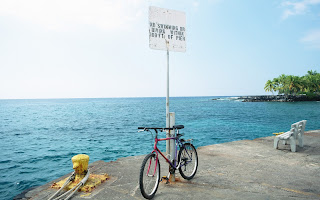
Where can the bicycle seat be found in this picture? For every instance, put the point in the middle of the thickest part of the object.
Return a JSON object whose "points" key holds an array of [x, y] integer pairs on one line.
{"points": [[178, 126]]}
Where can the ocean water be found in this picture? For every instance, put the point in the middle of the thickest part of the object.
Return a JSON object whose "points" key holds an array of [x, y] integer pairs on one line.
{"points": [[38, 138]]}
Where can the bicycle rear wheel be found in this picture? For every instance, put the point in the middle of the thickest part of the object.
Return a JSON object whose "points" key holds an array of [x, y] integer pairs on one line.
{"points": [[149, 176], [188, 159]]}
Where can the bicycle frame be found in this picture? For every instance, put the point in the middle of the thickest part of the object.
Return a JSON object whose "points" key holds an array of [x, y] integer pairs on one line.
{"points": [[157, 151]]}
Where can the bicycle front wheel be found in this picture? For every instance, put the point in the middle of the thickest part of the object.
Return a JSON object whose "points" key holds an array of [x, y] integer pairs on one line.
{"points": [[149, 176], [188, 159]]}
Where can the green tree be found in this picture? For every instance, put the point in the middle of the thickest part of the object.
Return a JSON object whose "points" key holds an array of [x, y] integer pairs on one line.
{"points": [[312, 82], [282, 86], [269, 86], [294, 84], [289, 84]]}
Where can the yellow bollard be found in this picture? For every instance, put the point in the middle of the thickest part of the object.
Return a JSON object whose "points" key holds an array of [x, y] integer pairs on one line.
{"points": [[80, 165]]}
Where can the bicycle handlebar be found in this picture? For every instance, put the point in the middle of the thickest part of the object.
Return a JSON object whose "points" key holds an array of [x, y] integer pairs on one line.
{"points": [[155, 128]]}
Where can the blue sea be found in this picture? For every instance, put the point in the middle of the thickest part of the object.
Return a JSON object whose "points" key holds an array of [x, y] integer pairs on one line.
{"points": [[38, 138]]}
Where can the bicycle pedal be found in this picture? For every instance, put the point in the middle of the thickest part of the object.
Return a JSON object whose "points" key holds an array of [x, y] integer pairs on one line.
{"points": [[165, 178]]}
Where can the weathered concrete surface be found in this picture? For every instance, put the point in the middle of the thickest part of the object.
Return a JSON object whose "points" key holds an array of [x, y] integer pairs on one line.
{"points": [[248, 169]]}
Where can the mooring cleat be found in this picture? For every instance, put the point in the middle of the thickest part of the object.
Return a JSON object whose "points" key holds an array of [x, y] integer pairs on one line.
{"points": [[77, 179]]}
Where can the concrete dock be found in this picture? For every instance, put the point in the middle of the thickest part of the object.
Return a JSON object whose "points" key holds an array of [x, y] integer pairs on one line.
{"points": [[247, 169]]}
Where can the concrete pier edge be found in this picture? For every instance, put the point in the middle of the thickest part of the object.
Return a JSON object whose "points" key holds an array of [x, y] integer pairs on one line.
{"points": [[245, 169]]}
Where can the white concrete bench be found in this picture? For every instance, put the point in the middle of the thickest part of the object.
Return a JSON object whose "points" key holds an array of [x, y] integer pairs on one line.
{"points": [[296, 132], [301, 128]]}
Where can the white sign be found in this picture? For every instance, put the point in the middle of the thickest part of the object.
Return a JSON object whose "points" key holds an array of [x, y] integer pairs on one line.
{"points": [[167, 26]]}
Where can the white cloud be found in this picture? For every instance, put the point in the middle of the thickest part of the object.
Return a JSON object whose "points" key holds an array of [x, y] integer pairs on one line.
{"points": [[61, 15], [297, 7], [312, 39]]}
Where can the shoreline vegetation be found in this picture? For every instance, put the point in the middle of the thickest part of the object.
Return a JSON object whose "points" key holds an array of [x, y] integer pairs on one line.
{"points": [[290, 89], [308, 85]]}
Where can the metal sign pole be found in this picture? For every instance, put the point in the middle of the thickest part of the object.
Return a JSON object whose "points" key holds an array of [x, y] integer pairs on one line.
{"points": [[172, 146], [170, 122], [167, 25], [167, 103], [167, 99]]}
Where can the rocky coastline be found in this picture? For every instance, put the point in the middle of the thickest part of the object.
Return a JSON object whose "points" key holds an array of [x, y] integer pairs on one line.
{"points": [[279, 98]]}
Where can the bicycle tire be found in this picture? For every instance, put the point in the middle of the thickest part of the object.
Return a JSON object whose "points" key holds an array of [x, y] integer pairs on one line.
{"points": [[188, 159], [149, 181]]}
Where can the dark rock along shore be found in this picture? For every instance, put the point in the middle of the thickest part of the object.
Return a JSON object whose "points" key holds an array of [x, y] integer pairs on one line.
{"points": [[279, 98]]}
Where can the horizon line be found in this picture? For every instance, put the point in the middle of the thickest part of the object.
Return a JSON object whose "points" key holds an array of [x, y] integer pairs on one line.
{"points": [[56, 98]]}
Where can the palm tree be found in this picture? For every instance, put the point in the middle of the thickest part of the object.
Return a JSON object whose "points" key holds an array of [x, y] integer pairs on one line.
{"points": [[283, 87], [294, 84], [311, 73], [312, 82], [269, 87], [277, 86], [317, 83], [289, 84]]}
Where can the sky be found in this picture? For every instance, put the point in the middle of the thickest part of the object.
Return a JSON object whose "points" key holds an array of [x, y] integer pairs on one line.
{"points": [[100, 48]]}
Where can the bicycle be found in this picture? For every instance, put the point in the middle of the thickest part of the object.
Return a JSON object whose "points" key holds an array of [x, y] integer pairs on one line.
{"points": [[187, 162]]}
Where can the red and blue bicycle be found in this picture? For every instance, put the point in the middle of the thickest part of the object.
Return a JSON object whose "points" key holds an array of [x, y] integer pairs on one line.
{"points": [[186, 161]]}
